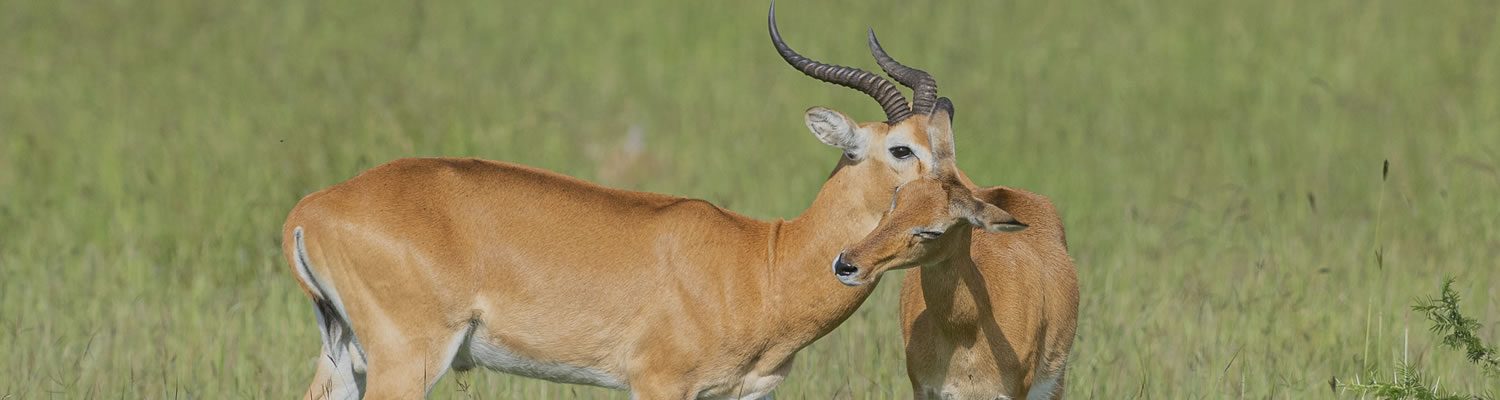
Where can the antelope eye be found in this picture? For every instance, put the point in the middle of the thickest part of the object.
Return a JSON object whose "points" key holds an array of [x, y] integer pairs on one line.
{"points": [[929, 235], [901, 152]]}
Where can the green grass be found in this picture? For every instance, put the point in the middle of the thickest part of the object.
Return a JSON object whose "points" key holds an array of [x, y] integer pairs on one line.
{"points": [[1217, 166]]}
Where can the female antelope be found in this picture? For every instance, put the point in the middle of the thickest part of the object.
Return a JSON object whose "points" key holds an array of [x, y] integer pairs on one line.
{"points": [[991, 312]]}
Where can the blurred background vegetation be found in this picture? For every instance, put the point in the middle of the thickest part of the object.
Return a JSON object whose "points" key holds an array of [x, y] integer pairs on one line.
{"points": [[1218, 167]]}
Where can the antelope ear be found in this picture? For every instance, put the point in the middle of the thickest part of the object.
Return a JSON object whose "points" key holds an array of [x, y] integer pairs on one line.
{"points": [[993, 219], [940, 138], [940, 129], [836, 129]]}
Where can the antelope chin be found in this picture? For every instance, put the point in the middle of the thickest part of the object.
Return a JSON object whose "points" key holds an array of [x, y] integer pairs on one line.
{"points": [[850, 280]]}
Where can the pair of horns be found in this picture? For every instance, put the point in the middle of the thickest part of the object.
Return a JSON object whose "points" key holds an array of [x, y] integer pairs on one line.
{"points": [[924, 87]]}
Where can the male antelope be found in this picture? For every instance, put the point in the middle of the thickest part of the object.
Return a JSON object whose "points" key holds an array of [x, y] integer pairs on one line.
{"points": [[421, 265], [991, 312]]}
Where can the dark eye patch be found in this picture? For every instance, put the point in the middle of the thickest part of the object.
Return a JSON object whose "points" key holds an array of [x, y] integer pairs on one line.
{"points": [[901, 152]]}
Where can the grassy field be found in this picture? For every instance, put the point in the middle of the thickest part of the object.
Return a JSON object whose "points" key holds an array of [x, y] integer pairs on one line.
{"points": [[1218, 168]]}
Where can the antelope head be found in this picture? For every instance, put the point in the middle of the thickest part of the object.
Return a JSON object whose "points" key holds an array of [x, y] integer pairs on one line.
{"points": [[877, 156], [930, 219]]}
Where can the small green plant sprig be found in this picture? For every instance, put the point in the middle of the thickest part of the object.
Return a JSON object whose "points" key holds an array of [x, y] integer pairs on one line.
{"points": [[1458, 330], [1408, 382]]}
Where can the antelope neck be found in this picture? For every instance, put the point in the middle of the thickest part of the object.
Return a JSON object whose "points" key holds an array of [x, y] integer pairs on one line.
{"points": [[808, 301]]}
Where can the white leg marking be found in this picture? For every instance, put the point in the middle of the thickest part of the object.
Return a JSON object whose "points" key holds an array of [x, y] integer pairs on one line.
{"points": [[459, 340], [1042, 389], [344, 383]]}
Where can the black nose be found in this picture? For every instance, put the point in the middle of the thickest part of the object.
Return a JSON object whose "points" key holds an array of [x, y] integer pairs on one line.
{"points": [[843, 268]]}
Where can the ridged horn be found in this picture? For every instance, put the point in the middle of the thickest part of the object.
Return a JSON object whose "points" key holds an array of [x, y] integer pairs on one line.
{"points": [[923, 86], [884, 92]]}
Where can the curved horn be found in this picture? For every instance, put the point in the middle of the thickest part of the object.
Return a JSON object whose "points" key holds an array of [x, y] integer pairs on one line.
{"points": [[882, 90], [923, 86]]}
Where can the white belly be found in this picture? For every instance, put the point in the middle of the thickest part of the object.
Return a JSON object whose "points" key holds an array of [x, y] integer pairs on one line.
{"points": [[753, 388], [496, 357], [756, 385]]}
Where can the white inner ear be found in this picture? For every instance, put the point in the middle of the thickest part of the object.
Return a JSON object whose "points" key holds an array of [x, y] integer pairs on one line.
{"points": [[835, 130]]}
